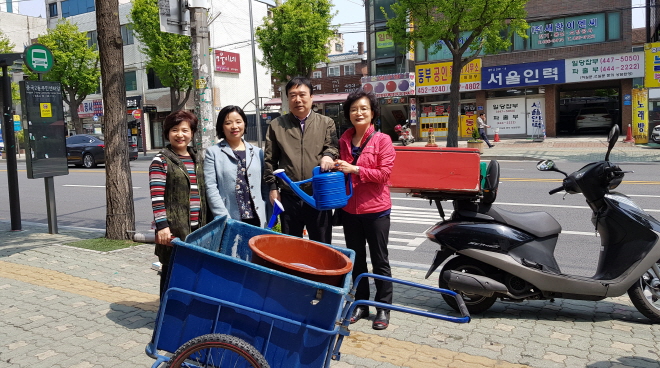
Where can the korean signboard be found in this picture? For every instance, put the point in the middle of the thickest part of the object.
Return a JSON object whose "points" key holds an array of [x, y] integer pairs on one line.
{"points": [[45, 134], [535, 124], [90, 108], [436, 78], [227, 62], [520, 75], [652, 58], [507, 114], [593, 68], [640, 117], [390, 85], [384, 40], [567, 31]]}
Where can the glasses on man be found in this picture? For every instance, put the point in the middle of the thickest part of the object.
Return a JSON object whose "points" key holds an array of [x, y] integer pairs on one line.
{"points": [[363, 110]]}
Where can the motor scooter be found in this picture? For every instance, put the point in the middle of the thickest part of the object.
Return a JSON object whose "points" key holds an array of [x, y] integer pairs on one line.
{"points": [[405, 133], [508, 255]]}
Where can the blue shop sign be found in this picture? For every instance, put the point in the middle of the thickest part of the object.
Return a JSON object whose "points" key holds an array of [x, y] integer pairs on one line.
{"points": [[521, 75]]}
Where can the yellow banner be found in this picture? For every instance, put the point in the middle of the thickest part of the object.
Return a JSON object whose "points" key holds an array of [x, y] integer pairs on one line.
{"points": [[640, 118], [468, 125], [652, 61], [438, 74]]}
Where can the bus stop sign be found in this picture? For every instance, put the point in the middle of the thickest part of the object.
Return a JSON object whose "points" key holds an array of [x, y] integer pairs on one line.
{"points": [[38, 58]]}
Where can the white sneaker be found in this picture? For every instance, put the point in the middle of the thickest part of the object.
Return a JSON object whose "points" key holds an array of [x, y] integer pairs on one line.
{"points": [[156, 266]]}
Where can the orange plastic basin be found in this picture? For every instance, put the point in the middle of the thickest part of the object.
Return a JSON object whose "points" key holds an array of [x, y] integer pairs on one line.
{"points": [[300, 257]]}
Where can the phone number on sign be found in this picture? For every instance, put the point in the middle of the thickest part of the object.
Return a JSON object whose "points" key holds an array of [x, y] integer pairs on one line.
{"points": [[424, 90]]}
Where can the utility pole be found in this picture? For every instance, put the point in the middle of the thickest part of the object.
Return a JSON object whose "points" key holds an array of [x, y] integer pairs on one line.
{"points": [[257, 102], [6, 60], [199, 40]]}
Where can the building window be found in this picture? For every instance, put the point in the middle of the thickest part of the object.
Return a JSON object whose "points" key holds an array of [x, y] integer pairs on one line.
{"points": [[92, 40], [333, 71], [317, 75], [52, 9], [127, 34], [153, 81], [131, 80], [338, 47], [349, 69]]}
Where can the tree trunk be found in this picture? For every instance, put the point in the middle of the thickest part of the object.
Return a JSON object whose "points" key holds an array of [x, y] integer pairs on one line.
{"points": [[454, 102], [120, 213], [73, 109], [285, 101]]}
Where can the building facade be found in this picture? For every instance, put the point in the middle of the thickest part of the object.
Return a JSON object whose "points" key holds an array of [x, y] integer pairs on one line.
{"points": [[148, 101], [576, 66]]}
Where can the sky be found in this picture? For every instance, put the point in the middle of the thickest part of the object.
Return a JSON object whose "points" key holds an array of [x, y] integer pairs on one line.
{"points": [[350, 17]]}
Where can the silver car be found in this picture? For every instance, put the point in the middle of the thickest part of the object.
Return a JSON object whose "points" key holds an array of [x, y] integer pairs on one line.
{"points": [[593, 118], [655, 134]]}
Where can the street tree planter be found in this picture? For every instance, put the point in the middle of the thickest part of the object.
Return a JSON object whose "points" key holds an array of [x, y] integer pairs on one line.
{"points": [[478, 145]]}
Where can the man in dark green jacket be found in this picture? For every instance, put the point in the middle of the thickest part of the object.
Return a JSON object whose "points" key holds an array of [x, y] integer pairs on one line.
{"points": [[297, 142]]}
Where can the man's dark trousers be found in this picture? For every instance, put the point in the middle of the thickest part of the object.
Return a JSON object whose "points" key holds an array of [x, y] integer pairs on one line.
{"points": [[298, 215]]}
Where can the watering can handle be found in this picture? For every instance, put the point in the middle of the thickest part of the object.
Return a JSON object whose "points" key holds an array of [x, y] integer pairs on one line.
{"points": [[350, 185]]}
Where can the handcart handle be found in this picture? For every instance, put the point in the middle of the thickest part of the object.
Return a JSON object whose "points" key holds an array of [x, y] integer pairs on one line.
{"points": [[348, 310], [461, 304]]}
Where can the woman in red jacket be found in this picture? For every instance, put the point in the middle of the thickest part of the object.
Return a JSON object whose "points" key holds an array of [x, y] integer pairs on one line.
{"points": [[368, 156]]}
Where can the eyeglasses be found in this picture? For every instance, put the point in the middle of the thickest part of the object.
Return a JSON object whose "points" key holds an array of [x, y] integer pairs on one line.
{"points": [[363, 110]]}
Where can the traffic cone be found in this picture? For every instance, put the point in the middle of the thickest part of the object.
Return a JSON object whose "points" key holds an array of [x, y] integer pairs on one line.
{"points": [[497, 135], [431, 139], [629, 137]]}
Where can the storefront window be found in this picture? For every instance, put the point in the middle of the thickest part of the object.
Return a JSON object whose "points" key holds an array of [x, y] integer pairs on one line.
{"points": [[387, 6], [613, 26]]}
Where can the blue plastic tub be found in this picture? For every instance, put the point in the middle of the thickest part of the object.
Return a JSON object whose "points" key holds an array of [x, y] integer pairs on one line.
{"points": [[211, 271]]}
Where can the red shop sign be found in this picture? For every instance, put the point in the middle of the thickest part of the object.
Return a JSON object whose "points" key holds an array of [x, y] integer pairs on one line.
{"points": [[227, 62]]}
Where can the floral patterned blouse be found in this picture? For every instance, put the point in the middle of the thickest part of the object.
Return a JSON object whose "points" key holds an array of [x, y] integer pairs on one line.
{"points": [[243, 197]]}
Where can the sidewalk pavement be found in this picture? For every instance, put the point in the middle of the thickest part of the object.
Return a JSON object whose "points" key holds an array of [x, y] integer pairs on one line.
{"points": [[62, 306], [577, 149]]}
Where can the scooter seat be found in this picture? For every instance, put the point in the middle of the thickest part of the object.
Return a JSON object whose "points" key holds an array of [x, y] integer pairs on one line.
{"points": [[540, 224]]}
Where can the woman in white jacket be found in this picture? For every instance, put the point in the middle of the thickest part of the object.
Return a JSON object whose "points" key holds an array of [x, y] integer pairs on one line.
{"points": [[233, 170]]}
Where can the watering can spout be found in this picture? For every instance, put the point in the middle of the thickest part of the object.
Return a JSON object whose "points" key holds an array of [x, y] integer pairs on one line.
{"points": [[295, 186]]}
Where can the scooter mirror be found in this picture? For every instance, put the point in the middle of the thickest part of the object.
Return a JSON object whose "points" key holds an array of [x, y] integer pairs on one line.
{"points": [[546, 165], [612, 138]]}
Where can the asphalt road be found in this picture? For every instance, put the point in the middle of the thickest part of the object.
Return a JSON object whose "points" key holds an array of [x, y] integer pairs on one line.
{"points": [[80, 198]]}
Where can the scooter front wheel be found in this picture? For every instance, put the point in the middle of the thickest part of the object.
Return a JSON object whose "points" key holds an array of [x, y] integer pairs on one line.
{"points": [[475, 303], [645, 295]]}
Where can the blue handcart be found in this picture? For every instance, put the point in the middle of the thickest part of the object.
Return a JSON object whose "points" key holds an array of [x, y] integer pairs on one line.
{"points": [[221, 310]]}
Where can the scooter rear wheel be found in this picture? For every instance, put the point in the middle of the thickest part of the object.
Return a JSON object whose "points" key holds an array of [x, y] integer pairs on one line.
{"points": [[645, 295], [475, 303]]}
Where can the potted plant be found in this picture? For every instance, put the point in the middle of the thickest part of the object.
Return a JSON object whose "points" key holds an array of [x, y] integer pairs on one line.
{"points": [[475, 141]]}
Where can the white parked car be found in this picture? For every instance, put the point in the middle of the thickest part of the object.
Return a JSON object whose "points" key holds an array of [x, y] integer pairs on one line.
{"points": [[593, 118], [655, 134]]}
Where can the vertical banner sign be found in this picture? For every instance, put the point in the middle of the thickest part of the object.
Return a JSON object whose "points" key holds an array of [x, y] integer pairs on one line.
{"points": [[413, 111], [535, 118], [640, 118], [46, 131], [652, 67]]}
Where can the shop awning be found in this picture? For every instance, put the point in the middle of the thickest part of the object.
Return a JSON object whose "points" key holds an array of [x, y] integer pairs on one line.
{"points": [[322, 98]]}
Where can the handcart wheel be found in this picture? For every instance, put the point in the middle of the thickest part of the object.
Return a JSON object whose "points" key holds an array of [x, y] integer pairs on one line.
{"points": [[217, 350]]}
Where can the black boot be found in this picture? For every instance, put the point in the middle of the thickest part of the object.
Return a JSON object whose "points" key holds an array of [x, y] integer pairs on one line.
{"points": [[359, 312], [382, 319]]}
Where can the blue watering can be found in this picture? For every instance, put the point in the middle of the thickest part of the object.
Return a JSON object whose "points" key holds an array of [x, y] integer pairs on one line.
{"points": [[329, 188]]}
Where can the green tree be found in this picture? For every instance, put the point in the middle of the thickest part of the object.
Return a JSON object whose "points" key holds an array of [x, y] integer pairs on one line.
{"points": [[169, 54], [76, 66], [7, 47], [490, 25], [295, 39]]}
